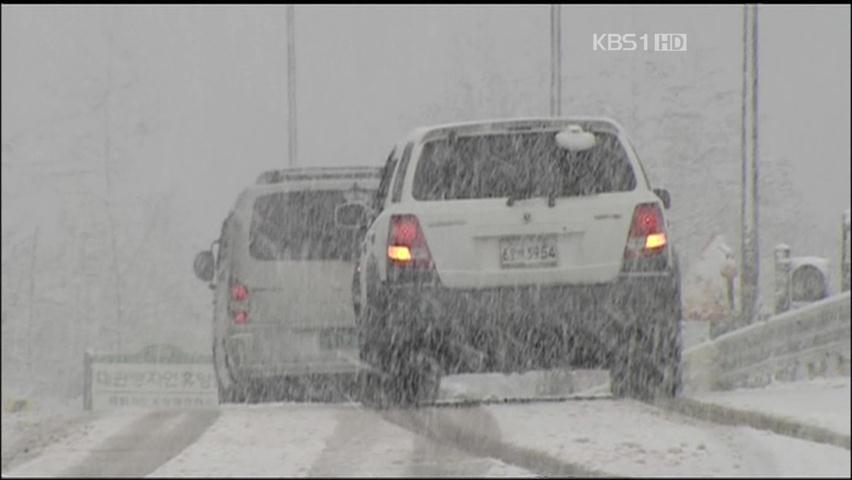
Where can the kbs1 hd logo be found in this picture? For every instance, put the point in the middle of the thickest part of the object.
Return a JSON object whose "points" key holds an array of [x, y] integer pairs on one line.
{"points": [[634, 42]]}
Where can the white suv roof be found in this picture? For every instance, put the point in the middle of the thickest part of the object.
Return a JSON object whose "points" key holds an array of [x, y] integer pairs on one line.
{"points": [[507, 124]]}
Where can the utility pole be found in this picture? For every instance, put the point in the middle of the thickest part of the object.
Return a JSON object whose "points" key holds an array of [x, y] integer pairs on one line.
{"points": [[845, 253], [555, 59], [749, 280], [108, 154], [291, 84]]}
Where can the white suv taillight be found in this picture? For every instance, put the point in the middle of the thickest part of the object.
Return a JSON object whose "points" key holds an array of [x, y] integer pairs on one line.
{"points": [[646, 239], [406, 243], [408, 254]]}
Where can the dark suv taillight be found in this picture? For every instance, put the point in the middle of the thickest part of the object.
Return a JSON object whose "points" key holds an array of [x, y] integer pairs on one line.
{"points": [[408, 253], [646, 241], [238, 304], [239, 292]]}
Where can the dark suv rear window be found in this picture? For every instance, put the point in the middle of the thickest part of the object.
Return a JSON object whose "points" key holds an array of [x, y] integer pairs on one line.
{"points": [[300, 226], [528, 164]]}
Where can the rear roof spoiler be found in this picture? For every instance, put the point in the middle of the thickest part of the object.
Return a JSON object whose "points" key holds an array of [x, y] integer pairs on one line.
{"points": [[317, 173]]}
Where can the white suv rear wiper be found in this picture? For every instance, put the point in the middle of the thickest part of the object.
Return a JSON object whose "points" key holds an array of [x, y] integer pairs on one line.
{"points": [[551, 198], [522, 195]]}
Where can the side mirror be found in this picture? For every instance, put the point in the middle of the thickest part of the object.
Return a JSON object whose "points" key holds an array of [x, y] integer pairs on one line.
{"points": [[351, 215], [575, 139], [204, 266], [664, 196]]}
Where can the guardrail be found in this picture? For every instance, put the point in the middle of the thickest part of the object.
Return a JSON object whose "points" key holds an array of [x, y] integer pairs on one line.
{"points": [[810, 341]]}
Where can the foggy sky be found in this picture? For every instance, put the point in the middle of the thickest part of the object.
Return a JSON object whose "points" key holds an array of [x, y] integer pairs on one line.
{"points": [[197, 101]]}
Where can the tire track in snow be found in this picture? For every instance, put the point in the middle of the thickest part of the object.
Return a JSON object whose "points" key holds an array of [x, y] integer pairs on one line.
{"points": [[475, 431], [145, 444], [453, 461], [360, 438], [364, 444], [269, 440]]}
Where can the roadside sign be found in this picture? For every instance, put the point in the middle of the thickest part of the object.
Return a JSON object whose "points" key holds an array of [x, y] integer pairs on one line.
{"points": [[159, 376]]}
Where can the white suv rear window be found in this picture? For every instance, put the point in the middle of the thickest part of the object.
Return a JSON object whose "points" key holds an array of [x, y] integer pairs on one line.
{"points": [[492, 166]]}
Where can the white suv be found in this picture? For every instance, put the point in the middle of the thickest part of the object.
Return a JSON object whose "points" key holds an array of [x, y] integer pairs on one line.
{"points": [[512, 245]]}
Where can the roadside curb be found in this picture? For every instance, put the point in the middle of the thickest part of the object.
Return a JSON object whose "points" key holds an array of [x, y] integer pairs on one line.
{"points": [[737, 417]]}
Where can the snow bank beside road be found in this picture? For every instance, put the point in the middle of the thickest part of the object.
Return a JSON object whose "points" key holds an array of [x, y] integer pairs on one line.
{"points": [[29, 426]]}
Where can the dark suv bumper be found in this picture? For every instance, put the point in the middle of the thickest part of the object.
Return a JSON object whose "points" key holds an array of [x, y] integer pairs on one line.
{"points": [[558, 321], [630, 293]]}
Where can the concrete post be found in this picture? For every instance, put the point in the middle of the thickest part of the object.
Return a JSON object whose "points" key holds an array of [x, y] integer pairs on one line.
{"points": [[729, 273], [782, 278]]}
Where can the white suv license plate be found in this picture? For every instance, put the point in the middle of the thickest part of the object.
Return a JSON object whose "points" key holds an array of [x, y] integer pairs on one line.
{"points": [[529, 252]]}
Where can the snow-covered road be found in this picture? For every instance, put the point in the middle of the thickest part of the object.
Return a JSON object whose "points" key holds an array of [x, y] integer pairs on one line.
{"points": [[578, 437], [281, 439]]}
